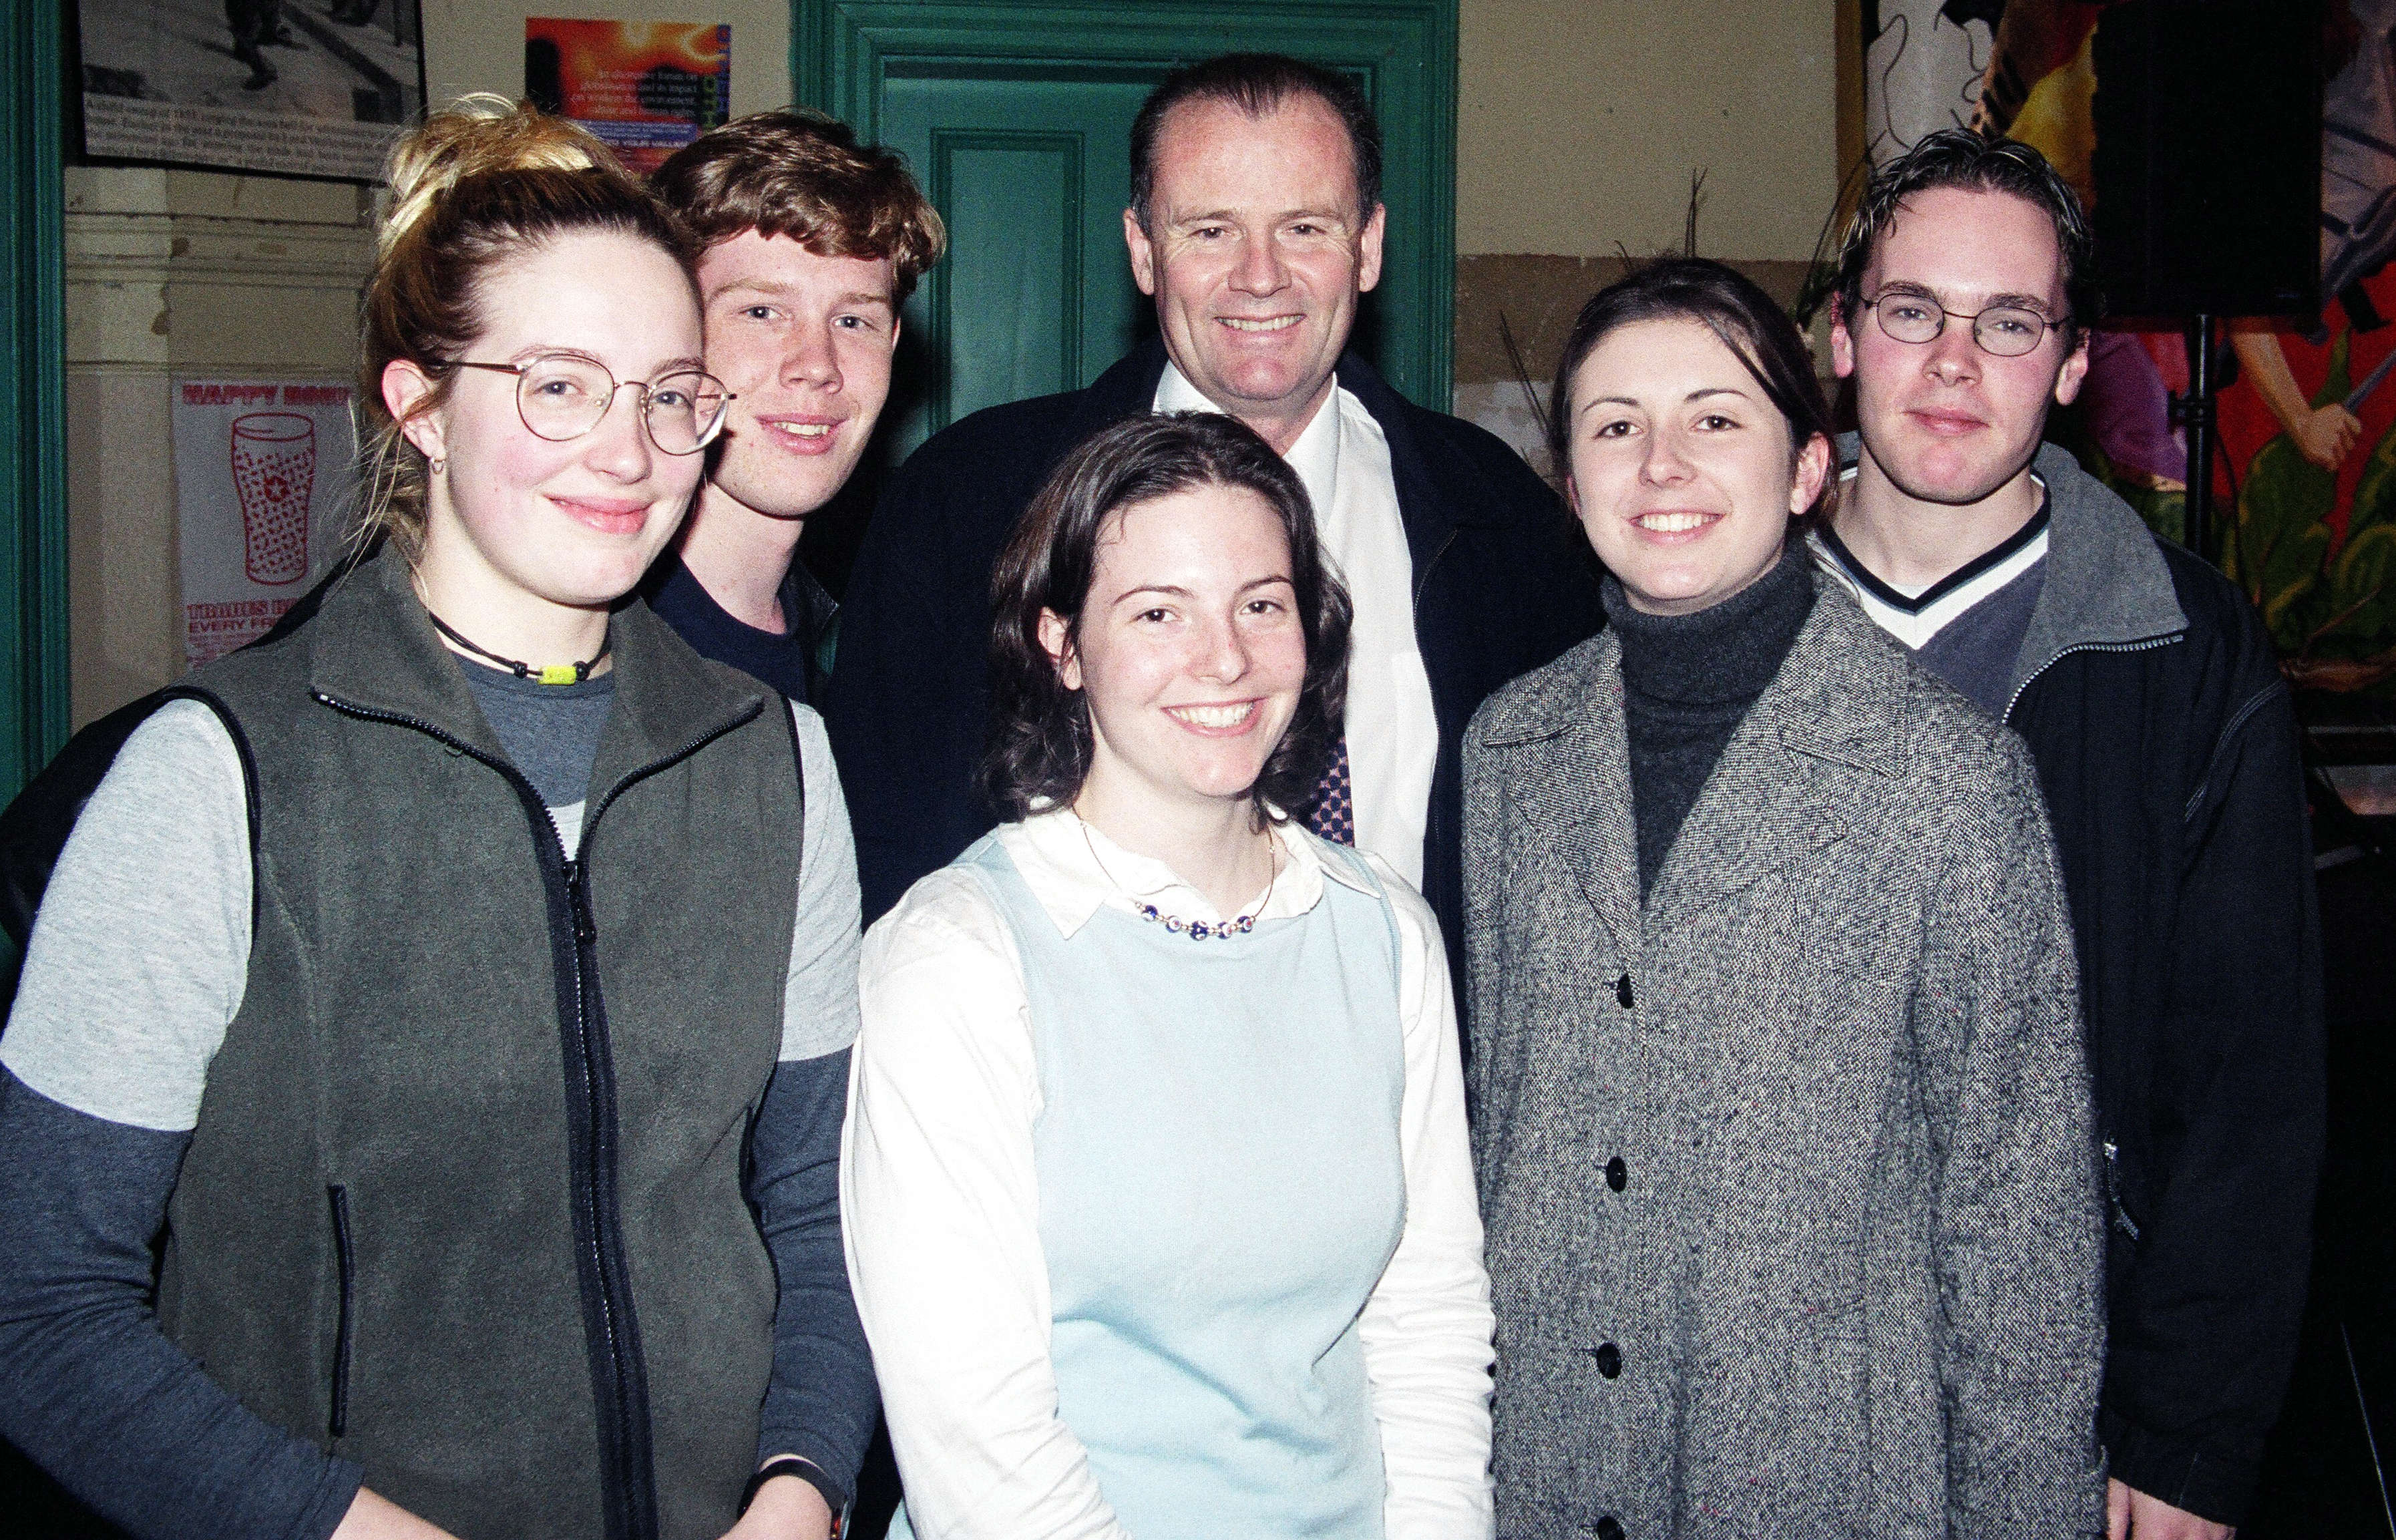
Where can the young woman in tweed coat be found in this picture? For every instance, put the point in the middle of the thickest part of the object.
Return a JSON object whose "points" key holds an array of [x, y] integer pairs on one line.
{"points": [[1780, 1109]]}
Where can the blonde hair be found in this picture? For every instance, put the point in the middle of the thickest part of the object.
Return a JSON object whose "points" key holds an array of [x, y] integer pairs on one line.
{"points": [[473, 187]]}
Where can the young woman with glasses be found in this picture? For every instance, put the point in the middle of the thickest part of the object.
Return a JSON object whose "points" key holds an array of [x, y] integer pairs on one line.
{"points": [[438, 983], [1159, 1209]]}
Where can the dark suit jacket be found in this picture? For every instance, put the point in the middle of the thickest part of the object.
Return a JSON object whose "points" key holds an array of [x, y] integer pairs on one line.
{"points": [[1503, 582]]}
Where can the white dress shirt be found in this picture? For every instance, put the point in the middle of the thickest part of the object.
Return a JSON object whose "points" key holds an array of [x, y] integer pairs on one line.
{"points": [[940, 1205], [1343, 459]]}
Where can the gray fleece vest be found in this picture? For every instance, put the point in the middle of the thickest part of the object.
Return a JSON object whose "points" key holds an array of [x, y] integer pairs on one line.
{"points": [[464, 1203]]}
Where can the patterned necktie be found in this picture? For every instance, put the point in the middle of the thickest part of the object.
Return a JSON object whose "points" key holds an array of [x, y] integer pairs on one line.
{"points": [[1332, 813]]}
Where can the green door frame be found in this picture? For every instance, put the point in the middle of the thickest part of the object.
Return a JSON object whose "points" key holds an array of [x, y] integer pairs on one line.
{"points": [[34, 675], [839, 49]]}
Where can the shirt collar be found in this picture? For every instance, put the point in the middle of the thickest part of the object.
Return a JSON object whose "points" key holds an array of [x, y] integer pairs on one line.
{"points": [[1315, 456], [1074, 870]]}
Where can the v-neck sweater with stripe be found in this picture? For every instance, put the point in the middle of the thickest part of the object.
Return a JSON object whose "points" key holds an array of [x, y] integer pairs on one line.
{"points": [[1969, 627]]}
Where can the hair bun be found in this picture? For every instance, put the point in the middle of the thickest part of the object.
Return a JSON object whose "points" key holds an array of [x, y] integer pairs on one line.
{"points": [[474, 135]]}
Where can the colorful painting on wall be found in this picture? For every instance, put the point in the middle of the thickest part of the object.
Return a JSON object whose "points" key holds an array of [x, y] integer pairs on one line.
{"points": [[2307, 484]]}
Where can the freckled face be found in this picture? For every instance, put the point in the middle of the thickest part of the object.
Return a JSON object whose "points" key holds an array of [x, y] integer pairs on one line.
{"points": [[1680, 468], [804, 341], [1189, 654], [576, 522]]}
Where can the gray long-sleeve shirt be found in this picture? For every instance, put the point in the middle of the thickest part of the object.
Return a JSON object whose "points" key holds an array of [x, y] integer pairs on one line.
{"points": [[135, 970]]}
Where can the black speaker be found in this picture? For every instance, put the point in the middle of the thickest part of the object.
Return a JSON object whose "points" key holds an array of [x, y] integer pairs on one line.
{"points": [[2208, 120]]}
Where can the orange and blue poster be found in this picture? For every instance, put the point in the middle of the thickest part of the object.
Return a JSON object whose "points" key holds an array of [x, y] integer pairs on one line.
{"points": [[645, 88]]}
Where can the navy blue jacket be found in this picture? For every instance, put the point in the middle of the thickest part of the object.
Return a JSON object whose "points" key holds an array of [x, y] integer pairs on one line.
{"points": [[1503, 582], [2168, 751], [2167, 747]]}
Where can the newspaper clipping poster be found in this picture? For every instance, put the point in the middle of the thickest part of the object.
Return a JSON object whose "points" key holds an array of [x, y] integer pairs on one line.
{"points": [[298, 88], [646, 89], [263, 473]]}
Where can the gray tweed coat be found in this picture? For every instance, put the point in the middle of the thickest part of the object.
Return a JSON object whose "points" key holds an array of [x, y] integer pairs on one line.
{"points": [[1789, 1178]]}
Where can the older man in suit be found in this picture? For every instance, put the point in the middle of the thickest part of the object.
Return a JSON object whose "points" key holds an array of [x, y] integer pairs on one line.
{"points": [[1256, 225]]}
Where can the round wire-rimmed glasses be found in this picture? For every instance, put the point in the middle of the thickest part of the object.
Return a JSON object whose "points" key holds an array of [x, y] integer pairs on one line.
{"points": [[2003, 331], [563, 396]]}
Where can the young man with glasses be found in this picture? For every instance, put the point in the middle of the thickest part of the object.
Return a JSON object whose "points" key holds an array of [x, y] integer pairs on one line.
{"points": [[2166, 745]]}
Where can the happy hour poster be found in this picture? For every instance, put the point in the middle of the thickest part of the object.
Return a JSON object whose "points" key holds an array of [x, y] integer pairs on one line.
{"points": [[264, 472]]}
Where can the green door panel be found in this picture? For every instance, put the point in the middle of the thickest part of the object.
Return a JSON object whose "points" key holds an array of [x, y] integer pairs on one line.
{"points": [[1035, 294], [997, 317], [33, 401], [1017, 118]]}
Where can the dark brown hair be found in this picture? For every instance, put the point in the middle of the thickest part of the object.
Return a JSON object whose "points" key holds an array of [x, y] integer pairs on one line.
{"points": [[1257, 84], [1757, 331], [472, 188], [1039, 748], [800, 174], [1978, 163]]}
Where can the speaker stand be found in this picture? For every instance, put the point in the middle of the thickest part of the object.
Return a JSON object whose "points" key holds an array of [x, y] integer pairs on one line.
{"points": [[2192, 412]]}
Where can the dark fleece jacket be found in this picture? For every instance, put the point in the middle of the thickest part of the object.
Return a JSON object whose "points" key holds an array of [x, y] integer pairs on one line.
{"points": [[2167, 748]]}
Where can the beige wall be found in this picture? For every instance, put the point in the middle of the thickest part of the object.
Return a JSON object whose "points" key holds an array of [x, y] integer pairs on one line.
{"points": [[177, 273], [1578, 122]]}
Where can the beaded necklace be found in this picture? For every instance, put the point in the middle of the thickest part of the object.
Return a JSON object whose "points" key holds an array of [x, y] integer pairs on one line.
{"points": [[1197, 930]]}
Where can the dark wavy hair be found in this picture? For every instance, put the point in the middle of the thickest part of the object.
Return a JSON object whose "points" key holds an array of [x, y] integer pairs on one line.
{"points": [[1728, 304], [1976, 162], [1039, 742]]}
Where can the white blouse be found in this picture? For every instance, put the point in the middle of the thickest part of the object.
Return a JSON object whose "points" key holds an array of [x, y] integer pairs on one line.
{"points": [[940, 1205]]}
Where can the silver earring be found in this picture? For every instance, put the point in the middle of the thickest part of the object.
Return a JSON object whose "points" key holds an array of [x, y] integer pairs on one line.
{"points": [[439, 463]]}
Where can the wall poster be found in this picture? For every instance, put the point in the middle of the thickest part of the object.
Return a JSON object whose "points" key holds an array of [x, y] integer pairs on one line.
{"points": [[293, 87], [264, 474], [645, 87]]}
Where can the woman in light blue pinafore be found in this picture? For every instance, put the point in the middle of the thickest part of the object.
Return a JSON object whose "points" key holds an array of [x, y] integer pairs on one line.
{"points": [[1155, 1186]]}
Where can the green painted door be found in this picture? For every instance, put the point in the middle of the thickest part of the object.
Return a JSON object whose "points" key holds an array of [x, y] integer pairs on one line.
{"points": [[33, 396], [1017, 118]]}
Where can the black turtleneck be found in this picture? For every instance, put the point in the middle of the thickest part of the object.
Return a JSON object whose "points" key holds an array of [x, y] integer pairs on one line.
{"points": [[1687, 682]]}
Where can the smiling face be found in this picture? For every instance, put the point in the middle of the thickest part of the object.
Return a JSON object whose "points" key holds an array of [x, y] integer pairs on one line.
{"points": [[1680, 467], [1944, 421], [1256, 251], [804, 341], [1189, 654], [513, 519]]}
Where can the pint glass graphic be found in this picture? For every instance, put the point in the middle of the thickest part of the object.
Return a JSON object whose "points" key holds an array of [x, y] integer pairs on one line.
{"points": [[274, 473]]}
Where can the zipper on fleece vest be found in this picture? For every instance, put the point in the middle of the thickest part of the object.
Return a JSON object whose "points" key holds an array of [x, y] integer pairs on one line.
{"points": [[619, 1375], [345, 1262]]}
